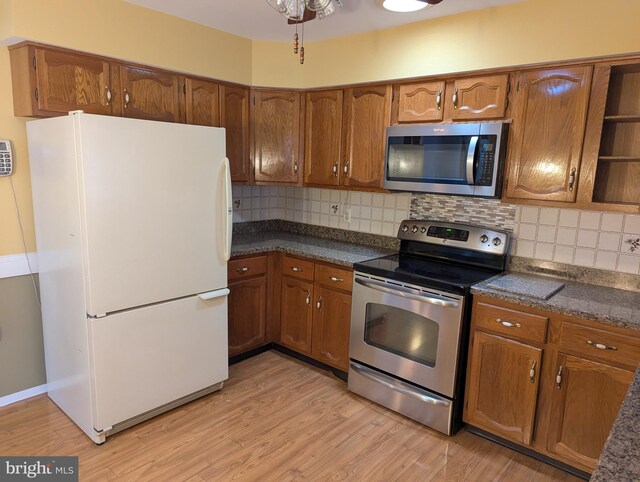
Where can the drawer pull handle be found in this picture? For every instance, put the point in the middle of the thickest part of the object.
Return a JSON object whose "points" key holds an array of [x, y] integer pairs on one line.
{"points": [[319, 303], [532, 372], [242, 270], [336, 279], [508, 324], [296, 269], [308, 299], [601, 346], [559, 378]]}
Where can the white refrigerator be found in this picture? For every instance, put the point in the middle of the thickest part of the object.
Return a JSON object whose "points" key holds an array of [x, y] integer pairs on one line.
{"points": [[133, 229]]}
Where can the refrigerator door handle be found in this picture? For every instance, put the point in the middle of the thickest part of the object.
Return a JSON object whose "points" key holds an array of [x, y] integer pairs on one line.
{"points": [[228, 207], [210, 295]]}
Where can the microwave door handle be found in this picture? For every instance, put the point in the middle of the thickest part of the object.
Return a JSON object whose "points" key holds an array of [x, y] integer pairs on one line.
{"points": [[407, 293], [471, 160]]}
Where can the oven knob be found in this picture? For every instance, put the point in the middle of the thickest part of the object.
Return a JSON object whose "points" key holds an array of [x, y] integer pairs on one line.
{"points": [[414, 229], [423, 229], [484, 238], [496, 241], [404, 228]]}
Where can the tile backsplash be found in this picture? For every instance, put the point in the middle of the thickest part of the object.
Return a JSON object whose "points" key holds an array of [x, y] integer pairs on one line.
{"points": [[609, 241], [592, 239]]}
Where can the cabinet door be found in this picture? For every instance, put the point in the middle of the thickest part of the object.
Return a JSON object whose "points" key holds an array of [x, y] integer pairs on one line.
{"points": [[296, 314], [331, 320], [547, 133], [234, 117], [277, 133], [501, 394], [479, 97], [69, 82], [149, 94], [584, 406], [323, 124], [247, 314], [201, 102], [421, 102], [367, 113]]}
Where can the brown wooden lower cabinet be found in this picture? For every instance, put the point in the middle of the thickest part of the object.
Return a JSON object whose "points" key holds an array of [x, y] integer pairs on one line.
{"points": [[297, 314], [503, 384], [555, 392], [584, 406], [316, 315]]}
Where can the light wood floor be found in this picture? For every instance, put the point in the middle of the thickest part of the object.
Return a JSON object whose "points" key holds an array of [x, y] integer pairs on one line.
{"points": [[275, 419]]}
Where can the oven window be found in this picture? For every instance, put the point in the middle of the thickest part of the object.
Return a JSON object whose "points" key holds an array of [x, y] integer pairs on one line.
{"points": [[428, 159], [401, 332]]}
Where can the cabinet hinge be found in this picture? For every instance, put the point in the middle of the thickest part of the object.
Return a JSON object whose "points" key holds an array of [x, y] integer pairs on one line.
{"points": [[518, 87], [36, 93], [184, 88], [34, 62]]}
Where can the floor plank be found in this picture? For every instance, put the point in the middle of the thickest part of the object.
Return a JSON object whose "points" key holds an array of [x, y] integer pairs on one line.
{"points": [[276, 419]]}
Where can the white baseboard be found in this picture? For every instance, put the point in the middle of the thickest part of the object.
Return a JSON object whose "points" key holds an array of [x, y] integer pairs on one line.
{"points": [[23, 395], [16, 265]]}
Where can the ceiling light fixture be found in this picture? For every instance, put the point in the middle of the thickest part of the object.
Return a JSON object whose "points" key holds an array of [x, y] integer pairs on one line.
{"points": [[403, 5], [301, 11]]}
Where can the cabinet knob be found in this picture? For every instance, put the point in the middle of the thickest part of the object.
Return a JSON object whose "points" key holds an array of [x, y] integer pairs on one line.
{"points": [[335, 279], [319, 303], [244, 269], [308, 299], [345, 169], [508, 324], [439, 99], [127, 98], [107, 95], [559, 378], [295, 269], [295, 167], [601, 346], [532, 372], [572, 179], [455, 99]]}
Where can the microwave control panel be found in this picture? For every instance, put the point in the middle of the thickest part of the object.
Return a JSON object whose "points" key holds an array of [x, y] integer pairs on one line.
{"points": [[486, 160]]}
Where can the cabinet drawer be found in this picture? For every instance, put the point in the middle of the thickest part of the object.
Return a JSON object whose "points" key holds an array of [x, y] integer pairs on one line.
{"points": [[600, 345], [298, 268], [337, 278], [511, 323], [243, 268]]}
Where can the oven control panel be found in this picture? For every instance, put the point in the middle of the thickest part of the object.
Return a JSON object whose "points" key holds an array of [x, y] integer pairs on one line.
{"points": [[477, 238]]}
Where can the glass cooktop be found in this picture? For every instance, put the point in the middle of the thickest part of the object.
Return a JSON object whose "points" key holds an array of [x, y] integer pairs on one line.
{"points": [[428, 273]]}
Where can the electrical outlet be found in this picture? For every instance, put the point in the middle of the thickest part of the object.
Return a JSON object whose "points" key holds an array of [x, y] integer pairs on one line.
{"points": [[346, 215]]}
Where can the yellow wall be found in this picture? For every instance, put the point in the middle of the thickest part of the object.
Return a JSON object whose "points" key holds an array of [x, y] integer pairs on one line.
{"points": [[108, 27], [521, 33]]}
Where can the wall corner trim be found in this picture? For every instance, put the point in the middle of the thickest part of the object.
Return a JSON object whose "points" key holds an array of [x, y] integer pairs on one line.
{"points": [[16, 265], [22, 395]]}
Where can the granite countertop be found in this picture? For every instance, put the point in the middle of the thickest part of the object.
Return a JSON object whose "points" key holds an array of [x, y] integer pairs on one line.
{"points": [[606, 305], [620, 458], [321, 249]]}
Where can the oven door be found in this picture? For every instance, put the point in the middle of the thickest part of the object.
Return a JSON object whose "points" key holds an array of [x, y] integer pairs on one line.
{"points": [[407, 331]]}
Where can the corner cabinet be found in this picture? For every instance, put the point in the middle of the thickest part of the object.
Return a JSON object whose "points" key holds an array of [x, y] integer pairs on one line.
{"points": [[277, 134], [367, 112], [549, 382], [322, 140], [547, 134]]}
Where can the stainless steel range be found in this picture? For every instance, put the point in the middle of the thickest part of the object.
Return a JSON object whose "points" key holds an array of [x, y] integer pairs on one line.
{"points": [[410, 319]]}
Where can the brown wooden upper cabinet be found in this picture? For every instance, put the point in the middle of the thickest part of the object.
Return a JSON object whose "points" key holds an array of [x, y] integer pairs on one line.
{"points": [[458, 99], [277, 133], [367, 112], [478, 97], [323, 135], [547, 133], [51, 82], [421, 102], [201, 102], [234, 117], [150, 94]]}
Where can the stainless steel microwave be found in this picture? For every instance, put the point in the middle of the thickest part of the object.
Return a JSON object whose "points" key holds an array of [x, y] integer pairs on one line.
{"points": [[461, 159]]}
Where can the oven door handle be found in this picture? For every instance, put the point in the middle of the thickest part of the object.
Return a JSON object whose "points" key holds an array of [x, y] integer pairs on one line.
{"points": [[471, 160], [406, 293], [397, 386]]}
